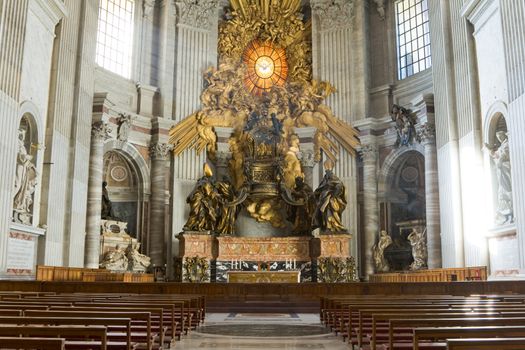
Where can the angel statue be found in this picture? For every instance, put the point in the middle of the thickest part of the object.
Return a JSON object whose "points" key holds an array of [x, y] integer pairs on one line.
{"points": [[418, 241], [330, 199], [203, 201], [378, 252]]}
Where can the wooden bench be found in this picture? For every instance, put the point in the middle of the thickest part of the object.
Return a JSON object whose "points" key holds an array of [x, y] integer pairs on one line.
{"points": [[32, 343], [95, 336], [486, 344], [137, 334], [441, 334], [119, 325]]}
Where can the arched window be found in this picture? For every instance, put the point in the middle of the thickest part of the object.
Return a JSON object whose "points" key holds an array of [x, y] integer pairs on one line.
{"points": [[115, 36], [413, 37]]}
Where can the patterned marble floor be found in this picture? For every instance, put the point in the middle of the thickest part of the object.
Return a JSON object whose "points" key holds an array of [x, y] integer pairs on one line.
{"points": [[246, 331]]}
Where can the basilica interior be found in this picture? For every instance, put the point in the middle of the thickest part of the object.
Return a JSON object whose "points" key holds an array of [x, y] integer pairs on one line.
{"points": [[269, 164]]}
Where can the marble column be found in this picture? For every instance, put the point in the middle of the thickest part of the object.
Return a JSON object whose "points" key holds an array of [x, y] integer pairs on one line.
{"points": [[371, 210], [158, 242], [307, 159], [427, 135], [99, 133]]}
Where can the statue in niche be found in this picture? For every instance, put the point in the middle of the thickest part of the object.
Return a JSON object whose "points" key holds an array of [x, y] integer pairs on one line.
{"points": [[137, 261], [418, 241], [330, 198], [25, 182], [301, 210], [107, 212], [378, 252], [501, 157], [203, 201], [115, 260], [405, 125]]}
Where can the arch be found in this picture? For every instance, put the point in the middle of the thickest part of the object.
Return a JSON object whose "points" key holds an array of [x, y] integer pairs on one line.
{"points": [[392, 161], [497, 110], [131, 154], [30, 110]]}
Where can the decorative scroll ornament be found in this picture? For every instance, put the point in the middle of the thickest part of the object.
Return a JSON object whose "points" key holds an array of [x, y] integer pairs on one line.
{"points": [[427, 133], [160, 151], [197, 13], [147, 8], [380, 7], [124, 126], [333, 14], [368, 152], [100, 131]]}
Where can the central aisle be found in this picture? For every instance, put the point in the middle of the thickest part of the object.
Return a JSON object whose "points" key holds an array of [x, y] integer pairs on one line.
{"points": [[262, 331]]}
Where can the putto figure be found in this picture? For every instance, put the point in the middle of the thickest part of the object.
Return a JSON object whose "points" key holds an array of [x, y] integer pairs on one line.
{"points": [[330, 198], [405, 125]]}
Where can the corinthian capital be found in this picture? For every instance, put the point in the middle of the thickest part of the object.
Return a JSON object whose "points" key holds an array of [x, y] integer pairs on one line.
{"points": [[307, 158], [197, 13], [100, 131], [333, 14], [427, 133], [369, 153], [160, 151]]}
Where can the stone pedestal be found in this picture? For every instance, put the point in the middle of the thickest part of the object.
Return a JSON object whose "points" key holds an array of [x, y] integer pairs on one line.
{"points": [[197, 255], [331, 246], [22, 243], [113, 235]]}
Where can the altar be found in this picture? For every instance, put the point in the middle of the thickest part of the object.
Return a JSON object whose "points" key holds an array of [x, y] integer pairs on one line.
{"points": [[264, 276]]}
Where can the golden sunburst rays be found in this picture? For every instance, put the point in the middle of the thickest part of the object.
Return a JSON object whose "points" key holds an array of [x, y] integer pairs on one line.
{"points": [[266, 67]]}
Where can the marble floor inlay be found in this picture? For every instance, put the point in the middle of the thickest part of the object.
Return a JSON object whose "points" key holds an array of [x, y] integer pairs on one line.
{"points": [[257, 331]]}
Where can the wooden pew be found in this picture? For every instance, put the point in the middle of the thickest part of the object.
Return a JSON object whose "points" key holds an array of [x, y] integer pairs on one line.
{"points": [[32, 343], [486, 344], [71, 334], [449, 322], [433, 334], [136, 335], [120, 325]]}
